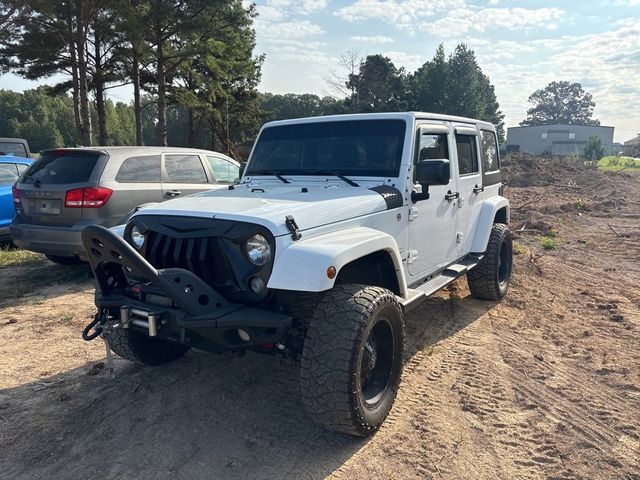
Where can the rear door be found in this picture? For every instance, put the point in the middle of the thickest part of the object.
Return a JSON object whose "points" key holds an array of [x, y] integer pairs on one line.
{"points": [[183, 174], [8, 176], [138, 181], [45, 184], [469, 185]]}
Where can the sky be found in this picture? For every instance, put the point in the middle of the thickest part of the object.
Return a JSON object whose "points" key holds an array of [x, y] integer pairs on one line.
{"points": [[522, 45]]}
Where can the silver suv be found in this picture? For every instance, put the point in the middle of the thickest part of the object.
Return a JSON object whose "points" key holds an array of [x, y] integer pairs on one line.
{"points": [[67, 189]]}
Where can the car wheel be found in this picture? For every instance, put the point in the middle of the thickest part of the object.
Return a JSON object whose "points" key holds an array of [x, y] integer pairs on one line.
{"points": [[489, 280], [138, 347], [352, 359], [64, 260]]}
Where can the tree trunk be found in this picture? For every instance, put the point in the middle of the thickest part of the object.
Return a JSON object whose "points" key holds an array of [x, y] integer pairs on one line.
{"points": [[162, 83], [213, 135], [135, 77], [191, 131], [74, 77], [99, 82], [81, 42]]}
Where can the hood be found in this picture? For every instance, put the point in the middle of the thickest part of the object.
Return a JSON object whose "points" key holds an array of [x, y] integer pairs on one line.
{"points": [[268, 205]]}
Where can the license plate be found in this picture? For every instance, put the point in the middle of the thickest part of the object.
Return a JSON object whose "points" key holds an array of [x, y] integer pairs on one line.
{"points": [[44, 207]]}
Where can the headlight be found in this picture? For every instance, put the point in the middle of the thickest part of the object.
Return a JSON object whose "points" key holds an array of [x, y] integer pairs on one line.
{"points": [[258, 250], [137, 238]]}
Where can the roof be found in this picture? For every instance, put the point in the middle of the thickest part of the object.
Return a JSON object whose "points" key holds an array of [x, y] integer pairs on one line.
{"points": [[565, 125], [134, 150], [379, 116], [14, 159], [633, 141]]}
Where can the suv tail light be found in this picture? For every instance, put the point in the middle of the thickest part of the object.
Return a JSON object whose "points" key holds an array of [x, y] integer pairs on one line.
{"points": [[16, 195], [91, 197]]}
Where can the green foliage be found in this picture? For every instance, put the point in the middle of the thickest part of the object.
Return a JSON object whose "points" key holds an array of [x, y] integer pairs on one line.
{"points": [[549, 243], [291, 105], [456, 86], [46, 120], [593, 150], [561, 102], [619, 161], [379, 86]]}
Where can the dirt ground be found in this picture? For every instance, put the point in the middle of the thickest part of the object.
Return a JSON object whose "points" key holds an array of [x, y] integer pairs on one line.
{"points": [[543, 385]]}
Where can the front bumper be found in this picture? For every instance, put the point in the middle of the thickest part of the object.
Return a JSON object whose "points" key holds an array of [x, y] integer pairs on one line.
{"points": [[173, 303]]}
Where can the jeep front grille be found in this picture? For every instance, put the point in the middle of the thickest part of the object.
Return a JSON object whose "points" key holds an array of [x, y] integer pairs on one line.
{"points": [[201, 256]]}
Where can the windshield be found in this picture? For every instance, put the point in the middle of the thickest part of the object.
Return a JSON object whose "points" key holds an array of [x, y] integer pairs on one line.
{"points": [[365, 148], [60, 167]]}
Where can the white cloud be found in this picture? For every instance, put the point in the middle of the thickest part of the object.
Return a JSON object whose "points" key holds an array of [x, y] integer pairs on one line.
{"points": [[401, 13], [465, 20], [375, 40]]}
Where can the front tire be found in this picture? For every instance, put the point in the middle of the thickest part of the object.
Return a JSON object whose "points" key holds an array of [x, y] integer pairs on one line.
{"points": [[60, 260], [489, 280], [352, 359], [138, 347]]}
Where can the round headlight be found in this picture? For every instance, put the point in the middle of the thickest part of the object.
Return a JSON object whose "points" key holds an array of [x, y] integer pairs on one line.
{"points": [[258, 250], [137, 238]]}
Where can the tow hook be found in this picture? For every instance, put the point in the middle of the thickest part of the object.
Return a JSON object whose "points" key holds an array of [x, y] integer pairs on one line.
{"points": [[97, 325]]}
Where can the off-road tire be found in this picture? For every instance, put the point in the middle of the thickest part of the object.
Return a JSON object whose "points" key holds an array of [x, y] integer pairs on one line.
{"points": [[489, 280], [303, 308], [64, 260], [140, 348], [331, 364]]}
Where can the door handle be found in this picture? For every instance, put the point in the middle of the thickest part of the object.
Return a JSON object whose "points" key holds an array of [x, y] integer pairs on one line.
{"points": [[173, 193], [477, 189], [449, 197]]}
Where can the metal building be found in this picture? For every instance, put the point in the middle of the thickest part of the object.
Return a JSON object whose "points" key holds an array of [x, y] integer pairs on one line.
{"points": [[632, 147], [557, 139]]}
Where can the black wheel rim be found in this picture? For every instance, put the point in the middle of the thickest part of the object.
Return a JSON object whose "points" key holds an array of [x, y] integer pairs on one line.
{"points": [[504, 264], [376, 365]]}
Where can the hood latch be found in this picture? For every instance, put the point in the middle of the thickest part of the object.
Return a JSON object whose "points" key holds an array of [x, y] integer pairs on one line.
{"points": [[291, 224]]}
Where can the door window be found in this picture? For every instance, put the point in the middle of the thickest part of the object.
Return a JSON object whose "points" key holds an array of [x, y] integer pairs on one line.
{"points": [[8, 173], [140, 170], [490, 159], [184, 169], [223, 170], [467, 154]]}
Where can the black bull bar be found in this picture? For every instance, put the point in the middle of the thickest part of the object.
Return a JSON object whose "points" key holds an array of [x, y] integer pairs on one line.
{"points": [[198, 314]]}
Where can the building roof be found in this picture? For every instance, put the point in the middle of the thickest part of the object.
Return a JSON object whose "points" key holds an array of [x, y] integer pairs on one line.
{"points": [[633, 141], [566, 125]]}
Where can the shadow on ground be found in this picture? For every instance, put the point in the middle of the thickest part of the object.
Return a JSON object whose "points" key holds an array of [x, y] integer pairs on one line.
{"points": [[204, 416]]}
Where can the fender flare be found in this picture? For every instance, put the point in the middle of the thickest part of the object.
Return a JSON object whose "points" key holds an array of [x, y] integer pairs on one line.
{"points": [[302, 265], [485, 222]]}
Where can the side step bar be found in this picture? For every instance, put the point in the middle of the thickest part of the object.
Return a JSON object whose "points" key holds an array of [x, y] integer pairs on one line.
{"points": [[419, 293]]}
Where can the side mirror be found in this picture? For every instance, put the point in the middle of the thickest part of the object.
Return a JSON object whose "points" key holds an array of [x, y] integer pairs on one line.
{"points": [[431, 172]]}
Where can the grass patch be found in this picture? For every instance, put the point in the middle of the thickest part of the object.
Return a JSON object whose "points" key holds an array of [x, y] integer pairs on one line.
{"points": [[10, 257], [519, 249], [549, 243], [617, 163]]}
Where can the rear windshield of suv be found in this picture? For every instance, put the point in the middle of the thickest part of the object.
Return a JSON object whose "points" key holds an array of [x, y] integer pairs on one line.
{"points": [[62, 167], [354, 148]]}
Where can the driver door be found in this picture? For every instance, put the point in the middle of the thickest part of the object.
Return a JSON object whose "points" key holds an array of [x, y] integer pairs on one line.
{"points": [[432, 222]]}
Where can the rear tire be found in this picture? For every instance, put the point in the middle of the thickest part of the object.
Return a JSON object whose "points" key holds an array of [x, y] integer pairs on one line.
{"points": [[140, 348], [489, 280], [64, 260], [352, 359]]}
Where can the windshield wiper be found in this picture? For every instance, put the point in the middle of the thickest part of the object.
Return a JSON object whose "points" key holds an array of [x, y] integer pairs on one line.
{"points": [[265, 172], [36, 182], [334, 174]]}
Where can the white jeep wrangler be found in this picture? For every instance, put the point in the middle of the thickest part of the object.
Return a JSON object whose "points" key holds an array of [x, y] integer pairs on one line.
{"points": [[338, 227]]}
